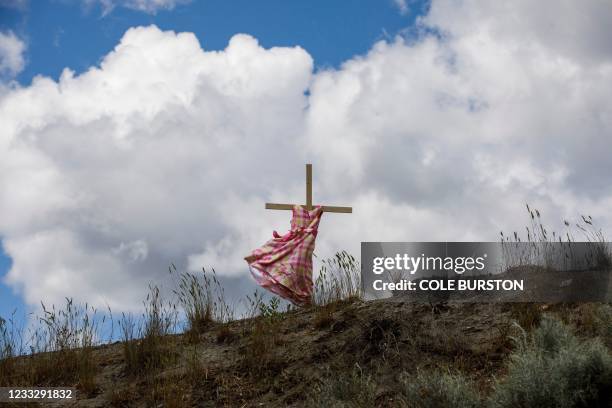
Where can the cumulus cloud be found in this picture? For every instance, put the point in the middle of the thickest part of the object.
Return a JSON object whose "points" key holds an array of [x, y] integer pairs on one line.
{"points": [[167, 152], [115, 173], [11, 54]]}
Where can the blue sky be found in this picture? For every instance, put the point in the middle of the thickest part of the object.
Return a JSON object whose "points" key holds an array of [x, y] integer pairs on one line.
{"points": [[66, 34], [61, 34], [166, 153]]}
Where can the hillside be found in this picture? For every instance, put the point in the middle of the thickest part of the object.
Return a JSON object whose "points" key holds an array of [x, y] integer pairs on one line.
{"points": [[364, 352]]}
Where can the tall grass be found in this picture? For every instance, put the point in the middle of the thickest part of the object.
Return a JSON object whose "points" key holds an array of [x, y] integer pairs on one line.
{"points": [[58, 348], [145, 340], [202, 298], [10, 346], [339, 279], [549, 365], [69, 328], [542, 246]]}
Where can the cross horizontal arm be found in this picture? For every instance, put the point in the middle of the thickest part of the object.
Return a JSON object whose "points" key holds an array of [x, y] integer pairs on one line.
{"points": [[326, 208]]}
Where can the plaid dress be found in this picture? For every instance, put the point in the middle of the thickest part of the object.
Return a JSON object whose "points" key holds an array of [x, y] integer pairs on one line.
{"points": [[283, 265]]}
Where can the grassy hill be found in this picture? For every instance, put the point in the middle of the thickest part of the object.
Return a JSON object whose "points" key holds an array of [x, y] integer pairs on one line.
{"points": [[347, 353], [340, 352]]}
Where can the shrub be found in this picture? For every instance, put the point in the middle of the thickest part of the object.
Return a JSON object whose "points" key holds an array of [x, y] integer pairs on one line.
{"points": [[600, 322], [527, 315], [354, 390], [432, 389], [553, 368]]}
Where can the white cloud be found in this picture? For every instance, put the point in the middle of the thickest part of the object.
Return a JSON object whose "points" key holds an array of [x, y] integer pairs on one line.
{"points": [[147, 6], [166, 153], [144, 149], [402, 6], [11, 54], [134, 251]]}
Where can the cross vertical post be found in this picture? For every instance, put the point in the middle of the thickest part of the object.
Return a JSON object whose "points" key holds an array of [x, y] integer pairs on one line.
{"points": [[309, 187]]}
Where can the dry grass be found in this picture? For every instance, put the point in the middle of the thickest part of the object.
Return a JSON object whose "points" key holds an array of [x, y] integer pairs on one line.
{"points": [[263, 339], [202, 299], [168, 392], [122, 397], [433, 389], [545, 247], [266, 361], [339, 279], [324, 316], [225, 335], [60, 346], [339, 282], [527, 315], [146, 342], [355, 389]]}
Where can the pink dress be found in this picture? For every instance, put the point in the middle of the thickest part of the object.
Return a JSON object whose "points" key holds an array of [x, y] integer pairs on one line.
{"points": [[283, 265]]}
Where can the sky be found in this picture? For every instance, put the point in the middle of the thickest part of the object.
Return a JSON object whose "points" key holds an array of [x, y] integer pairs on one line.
{"points": [[136, 133]]}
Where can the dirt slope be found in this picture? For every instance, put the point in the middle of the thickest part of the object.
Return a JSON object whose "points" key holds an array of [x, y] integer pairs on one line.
{"points": [[279, 361]]}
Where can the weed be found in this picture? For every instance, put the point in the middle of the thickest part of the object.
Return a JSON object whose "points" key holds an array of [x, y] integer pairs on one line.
{"points": [[324, 316], [9, 348], [270, 311], [261, 345], [557, 251], [432, 389], [254, 304], [168, 392], [527, 315], [195, 369], [202, 299], [505, 331], [61, 349], [225, 334], [339, 279], [121, 397], [553, 368], [356, 389], [145, 341], [596, 320], [380, 337]]}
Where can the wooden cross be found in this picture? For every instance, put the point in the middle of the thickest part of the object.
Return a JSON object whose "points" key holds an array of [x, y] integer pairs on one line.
{"points": [[326, 208]]}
